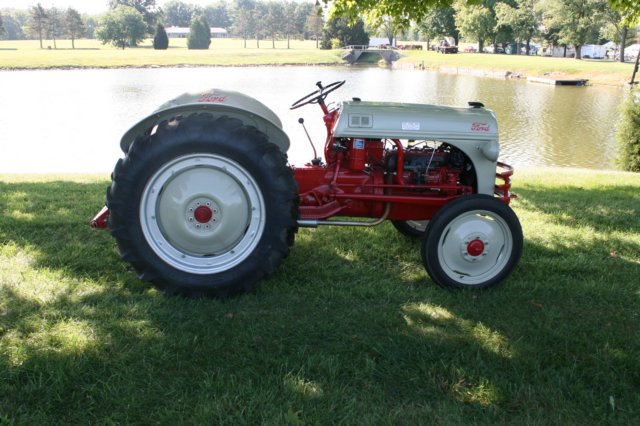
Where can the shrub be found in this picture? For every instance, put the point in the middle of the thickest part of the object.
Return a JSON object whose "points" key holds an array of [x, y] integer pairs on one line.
{"points": [[199, 34], [628, 134], [160, 40]]}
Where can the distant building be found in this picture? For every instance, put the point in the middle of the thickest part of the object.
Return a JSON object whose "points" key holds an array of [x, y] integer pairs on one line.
{"points": [[183, 32]]}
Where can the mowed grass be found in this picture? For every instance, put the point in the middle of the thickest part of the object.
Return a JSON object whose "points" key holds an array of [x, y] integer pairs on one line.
{"points": [[350, 330], [223, 52], [596, 71], [27, 54]]}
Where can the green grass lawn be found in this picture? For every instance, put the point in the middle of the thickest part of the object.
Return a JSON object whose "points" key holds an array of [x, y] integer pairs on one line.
{"points": [[596, 71], [350, 330], [91, 53], [27, 54]]}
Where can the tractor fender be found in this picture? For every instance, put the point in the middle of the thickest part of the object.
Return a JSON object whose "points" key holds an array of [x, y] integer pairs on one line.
{"points": [[217, 102]]}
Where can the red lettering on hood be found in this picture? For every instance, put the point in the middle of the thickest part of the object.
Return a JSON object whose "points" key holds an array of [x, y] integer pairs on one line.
{"points": [[213, 98], [480, 127]]}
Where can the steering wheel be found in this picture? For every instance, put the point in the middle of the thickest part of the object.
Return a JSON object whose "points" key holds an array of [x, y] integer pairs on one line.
{"points": [[318, 95]]}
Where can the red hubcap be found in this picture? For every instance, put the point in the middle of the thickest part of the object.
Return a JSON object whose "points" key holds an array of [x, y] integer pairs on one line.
{"points": [[203, 214], [475, 248]]}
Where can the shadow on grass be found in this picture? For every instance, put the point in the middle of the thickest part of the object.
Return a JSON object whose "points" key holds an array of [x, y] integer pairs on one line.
{"points": [[349, 330]]}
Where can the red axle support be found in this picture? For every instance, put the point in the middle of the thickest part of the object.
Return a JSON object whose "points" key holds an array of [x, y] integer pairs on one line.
{"points": [[100, 221]]}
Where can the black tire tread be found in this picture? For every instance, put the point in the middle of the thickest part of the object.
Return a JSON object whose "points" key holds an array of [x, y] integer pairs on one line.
{"points": [[184, 134]]}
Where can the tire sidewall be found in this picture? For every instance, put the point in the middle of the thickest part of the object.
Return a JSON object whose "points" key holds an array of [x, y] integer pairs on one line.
{"points": [[448, 213], [251, 151]]}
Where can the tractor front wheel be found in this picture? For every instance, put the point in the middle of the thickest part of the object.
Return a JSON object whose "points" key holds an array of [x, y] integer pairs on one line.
{"points": [[411, 228], [203, 206], [472, 242]]}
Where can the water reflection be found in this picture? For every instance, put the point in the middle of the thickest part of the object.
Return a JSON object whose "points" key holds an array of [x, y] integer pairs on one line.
{"points": [[71, 121]]}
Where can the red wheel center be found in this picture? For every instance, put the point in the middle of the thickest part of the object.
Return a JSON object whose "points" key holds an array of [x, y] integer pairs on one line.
{"points": [[203, 214], [475, 248]]}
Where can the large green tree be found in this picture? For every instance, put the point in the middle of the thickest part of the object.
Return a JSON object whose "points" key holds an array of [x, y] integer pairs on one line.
{"points": [[217, 14], [289, 24], [314, 24], [199, 34], [178, 13], [375, 10], [74, 25], [244, 19], [273, 21], [38, 21], [124, 26], [523, 19], [628, 9], [55, 25], [1, 26], [577, 22], [616, 28], [14, 23], [476, 22], [439, 22], [346, 33], [147, 8], [416, 10]]}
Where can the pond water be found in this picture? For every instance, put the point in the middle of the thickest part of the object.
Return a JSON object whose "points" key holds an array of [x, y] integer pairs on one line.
{"points": [[71, 121]]}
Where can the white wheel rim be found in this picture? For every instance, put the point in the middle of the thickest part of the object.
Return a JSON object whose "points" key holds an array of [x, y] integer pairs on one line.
{"points": [[204, 243], [475, 247]]}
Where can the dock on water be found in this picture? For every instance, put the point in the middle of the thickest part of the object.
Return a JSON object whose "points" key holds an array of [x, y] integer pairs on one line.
{"points": [[354, 54], [558, 81]]}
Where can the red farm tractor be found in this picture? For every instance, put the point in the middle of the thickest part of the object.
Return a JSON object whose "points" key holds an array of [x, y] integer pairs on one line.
{"points": [[204, 202]]}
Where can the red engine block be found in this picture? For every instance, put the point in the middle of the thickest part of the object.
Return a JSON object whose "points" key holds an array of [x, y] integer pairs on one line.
{"points": [[362, 178]]}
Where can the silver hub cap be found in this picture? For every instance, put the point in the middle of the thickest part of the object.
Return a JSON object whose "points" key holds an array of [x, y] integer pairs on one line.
{"points": [[202, 213], [475, 247]]}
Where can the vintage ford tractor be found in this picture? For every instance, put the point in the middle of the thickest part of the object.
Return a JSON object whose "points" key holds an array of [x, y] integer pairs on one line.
{"points": [[204, 202]]}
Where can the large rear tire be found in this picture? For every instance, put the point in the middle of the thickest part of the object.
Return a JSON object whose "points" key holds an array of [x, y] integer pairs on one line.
{"points": [[472, 242], [203, 206]]}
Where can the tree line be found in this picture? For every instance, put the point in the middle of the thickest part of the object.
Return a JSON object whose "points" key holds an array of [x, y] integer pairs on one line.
{"points": [[554, 22]]}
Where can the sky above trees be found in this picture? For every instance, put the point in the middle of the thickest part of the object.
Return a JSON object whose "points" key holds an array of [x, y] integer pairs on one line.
{"points": [[89, 6]]}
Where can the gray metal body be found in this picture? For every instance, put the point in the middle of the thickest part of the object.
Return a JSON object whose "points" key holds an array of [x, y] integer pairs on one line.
{"points": [[218, 102], [472, 130]]}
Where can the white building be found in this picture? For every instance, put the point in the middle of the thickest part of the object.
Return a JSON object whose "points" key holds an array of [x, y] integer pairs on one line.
{"points": [[183, 32]]}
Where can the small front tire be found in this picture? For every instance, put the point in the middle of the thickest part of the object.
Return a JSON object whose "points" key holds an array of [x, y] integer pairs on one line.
{"points": [[473, 242]]}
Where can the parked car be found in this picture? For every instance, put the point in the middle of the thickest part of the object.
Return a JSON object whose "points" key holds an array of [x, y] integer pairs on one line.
{"points": [[494, 49]]}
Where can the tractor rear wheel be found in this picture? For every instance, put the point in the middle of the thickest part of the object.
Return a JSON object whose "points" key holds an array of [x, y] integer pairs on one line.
{"points": [[472, 242], [203, 206], [411, 228]]}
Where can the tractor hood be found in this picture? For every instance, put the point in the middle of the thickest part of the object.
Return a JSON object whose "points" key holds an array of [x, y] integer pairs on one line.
{"points": [[379, 120], [219, 102]]}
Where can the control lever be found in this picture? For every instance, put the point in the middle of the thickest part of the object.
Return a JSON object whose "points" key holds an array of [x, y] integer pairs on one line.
{"points": [[316, 160]]}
